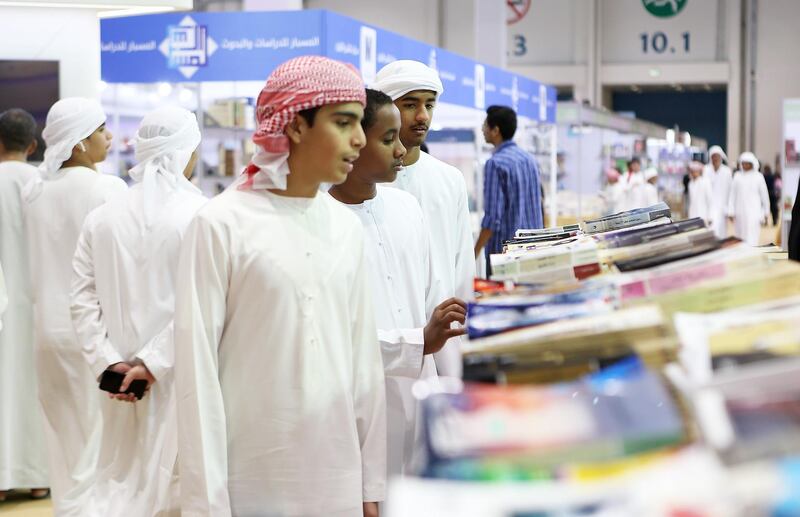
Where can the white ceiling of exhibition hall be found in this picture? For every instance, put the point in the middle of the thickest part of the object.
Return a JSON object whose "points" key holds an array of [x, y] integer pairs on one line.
{"points": [[108, 8]]}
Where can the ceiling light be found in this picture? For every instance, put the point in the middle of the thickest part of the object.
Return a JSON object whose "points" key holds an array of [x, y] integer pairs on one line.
{"points": [[106, 9], [133, 11]]}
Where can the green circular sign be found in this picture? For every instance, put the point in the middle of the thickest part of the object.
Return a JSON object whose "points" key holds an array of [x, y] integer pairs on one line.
{"points": [[664, 8]]}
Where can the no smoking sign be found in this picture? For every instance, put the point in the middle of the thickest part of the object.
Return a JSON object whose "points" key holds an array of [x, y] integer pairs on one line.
{"points": [[517, 9]]}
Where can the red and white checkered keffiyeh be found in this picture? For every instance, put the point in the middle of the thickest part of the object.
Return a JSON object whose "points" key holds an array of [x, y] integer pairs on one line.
{"points": [[299, 84]]}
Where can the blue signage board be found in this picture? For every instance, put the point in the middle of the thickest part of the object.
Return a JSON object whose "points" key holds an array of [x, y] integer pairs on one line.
{"points": [[205, 46], [247, 46]]}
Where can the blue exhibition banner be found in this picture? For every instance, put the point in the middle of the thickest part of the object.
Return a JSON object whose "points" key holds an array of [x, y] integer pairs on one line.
{"points": [[202, 47], [247, 46]]}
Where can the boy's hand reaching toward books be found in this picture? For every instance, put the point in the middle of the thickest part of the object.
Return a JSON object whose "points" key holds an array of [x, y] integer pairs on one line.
{"points": [[438, 330]]}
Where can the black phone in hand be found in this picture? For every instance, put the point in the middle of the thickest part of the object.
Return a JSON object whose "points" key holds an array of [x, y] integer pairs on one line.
{"points": [[111, 381]]}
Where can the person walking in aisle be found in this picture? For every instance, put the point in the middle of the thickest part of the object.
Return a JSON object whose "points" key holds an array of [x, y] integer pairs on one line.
{"points": [[23, 452], [511, 185], [412, 316], [440, 188], [721, 179], [701, 195], [748, 206], [614, 192], [57, 201], [123, 303], [278, 371], [640, 192]]}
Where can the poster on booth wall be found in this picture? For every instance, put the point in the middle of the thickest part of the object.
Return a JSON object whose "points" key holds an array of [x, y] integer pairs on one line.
{"points": [[790, 162]]}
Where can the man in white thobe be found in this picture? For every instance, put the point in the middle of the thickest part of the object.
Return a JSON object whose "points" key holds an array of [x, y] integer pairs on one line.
{"points": [[614, 192], [123, 303], [412, 317], [440, 189], [23, 453], [701, 196], [748, 205], [721, 179], [278, 372], [56, 203], [639, 191]]}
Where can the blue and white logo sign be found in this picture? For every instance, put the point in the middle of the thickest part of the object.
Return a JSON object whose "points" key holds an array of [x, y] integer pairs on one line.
{"points": [[368, 54], [187, 46]]}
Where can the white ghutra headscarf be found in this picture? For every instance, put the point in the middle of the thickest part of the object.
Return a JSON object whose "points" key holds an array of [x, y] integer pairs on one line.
{"points": [[165, 141], [404, 76], [69, 121], [748, 157]]}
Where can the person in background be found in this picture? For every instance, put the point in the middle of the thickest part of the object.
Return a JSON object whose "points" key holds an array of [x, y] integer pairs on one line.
{"points": [[634, 167], [57, 202], [721, 179], [614, 192], [639, 192], [23, 453], [439, 188], [123, 304], [278, 372], [413, 318], [511, 185], [748, 206], [770, 179], [701, 196]]}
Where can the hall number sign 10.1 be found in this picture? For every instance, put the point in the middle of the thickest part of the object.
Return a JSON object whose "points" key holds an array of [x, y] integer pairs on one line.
{"points": [[659, 43]]}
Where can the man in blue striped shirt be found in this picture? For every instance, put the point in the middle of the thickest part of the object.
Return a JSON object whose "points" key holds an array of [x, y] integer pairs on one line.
{"points": [[511, 185]]}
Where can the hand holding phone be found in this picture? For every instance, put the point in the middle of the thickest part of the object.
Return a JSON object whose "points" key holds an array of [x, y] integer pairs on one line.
{"points": [[111, 382]]}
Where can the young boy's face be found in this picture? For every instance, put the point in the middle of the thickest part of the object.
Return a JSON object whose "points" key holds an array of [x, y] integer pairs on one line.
{"points": [[382, 157], [747, 166], [416, 112], [332, 144], [97, 144]]}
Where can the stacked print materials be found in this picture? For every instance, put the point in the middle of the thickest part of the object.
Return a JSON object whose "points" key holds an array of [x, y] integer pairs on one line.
{"points": [[613, 368]]}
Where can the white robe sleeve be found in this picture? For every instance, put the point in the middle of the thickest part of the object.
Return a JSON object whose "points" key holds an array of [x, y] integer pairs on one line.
{"points": [[87, 315], [158, 354], [402, 351], [369, 397], [732, 197], [465, 259], [448, 359], [3, 296], [708, 201], [201, 289]]}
